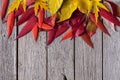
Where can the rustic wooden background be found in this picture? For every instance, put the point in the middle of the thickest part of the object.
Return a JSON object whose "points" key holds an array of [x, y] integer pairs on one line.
{"points": [[28, 60]]}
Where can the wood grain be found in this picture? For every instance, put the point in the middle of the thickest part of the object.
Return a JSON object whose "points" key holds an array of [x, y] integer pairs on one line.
{"points": [[111, 54], [7, 54], [60, 60], [32, 58], [88, 62]]}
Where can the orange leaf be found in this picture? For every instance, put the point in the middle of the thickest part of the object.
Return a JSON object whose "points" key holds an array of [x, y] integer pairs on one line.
{"points": [[46, 27], [10, 23], [35, 32], [67, 35], [40, 17]]}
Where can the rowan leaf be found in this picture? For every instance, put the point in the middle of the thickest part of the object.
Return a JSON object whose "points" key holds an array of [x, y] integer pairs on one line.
{"points": [[91, 28], [39, 4], [87, 39], [96, 4], [10, 23], [67, 35], [51, 36], [46, 27], [35, 31], [28, 27], [40, 17], [4, 8], [109, 16], [25, 16], [99, 24]]}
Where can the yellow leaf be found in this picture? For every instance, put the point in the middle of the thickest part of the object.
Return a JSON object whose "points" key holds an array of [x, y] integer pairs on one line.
{"points": [[40, 4], [96, 4], [69, 6], [54, 5], [84, 6], [24, 4], [14, 6]]}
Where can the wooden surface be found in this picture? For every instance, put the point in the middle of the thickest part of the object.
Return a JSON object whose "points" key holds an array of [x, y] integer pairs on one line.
{"points": [[28, 60]]}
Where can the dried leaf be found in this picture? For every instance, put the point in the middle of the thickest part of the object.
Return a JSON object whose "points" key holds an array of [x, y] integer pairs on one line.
{"points": [[35, 31], [10, 23], [28, 27]]}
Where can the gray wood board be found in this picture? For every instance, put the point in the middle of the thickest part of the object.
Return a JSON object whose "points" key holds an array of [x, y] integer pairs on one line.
{"points": [[61, 60], [7, 54], [88, 61], [32, 58], [111, 54]]}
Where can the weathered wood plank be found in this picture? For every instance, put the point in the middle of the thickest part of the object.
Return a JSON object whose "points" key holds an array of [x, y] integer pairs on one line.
{"points": [[7, 54], [111, 54], [88, 62], [32, 58], [60, 60]]}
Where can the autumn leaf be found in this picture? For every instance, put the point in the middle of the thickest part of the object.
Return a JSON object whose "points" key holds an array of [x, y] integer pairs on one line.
{"points": [[28, 27], [91, 28], [54, 5], [35, 31], [69, 6], [99, 24], [96, 4], [4, 8], [14, 6], [87, 39], [108, 16], [67, 35], [25, 16], [84, 6], [10, 23], [39, 5]]}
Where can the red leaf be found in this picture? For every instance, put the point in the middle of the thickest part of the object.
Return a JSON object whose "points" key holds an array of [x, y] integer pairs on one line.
{"points": [[50, 36], [99, 24], [19, 11], [40, 17], [67, 35], [25, 16], [107, 15], [35, 31], [10, 23], [29, 2], [28, 26], [115, 8], [4, 8], [87, 39], [64, 26], [51, 20]]}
